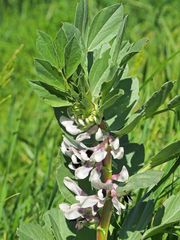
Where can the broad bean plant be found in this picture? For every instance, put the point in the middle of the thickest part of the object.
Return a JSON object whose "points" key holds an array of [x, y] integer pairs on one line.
{"points": [[107, 189]]}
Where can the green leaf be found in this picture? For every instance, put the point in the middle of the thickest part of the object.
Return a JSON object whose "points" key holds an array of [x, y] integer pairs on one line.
{"points": [[55, 228], [61, 173], [168, 153], [113, 97], [175, 102], [86, 233], [171, 215], [50, 74], [81, 18], [141, 181], [130, 125], [133, 49], [104, 26], [118, 115], [46, 48], [49, 95], [157, 99], [98, 73], [118, 41], [73, 56], [33, 231], [71, 31], [56, 222], [60, 43], [137, 220], [132, 236]]}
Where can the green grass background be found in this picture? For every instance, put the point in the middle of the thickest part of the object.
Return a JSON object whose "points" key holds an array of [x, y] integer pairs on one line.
{"points": [[29, 133]]}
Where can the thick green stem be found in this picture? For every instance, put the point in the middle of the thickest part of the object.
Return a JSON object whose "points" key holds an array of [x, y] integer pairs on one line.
{"points": [[105, 218]]}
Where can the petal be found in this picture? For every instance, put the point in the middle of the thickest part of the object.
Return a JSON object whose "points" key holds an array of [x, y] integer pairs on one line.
{"points": [[115, 144], [83, 136], [66, 121], [118, 154], [88, 201], [99, 155], [72, 129], [84, 155], [93, 130], [122, 176], [82, 172], [71, 166], [69, 125], [102, 194], [75, 160], [99, 135], [117, 205], [72, 186], [64, 207], [72, 212], [96, 181]]}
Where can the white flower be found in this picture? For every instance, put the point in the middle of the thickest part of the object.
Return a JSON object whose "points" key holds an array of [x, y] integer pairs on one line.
{"points": [[109, 186], [71, 212], [69, 125], [122, 176], [87, 135], [86, 206], [116, 151]]}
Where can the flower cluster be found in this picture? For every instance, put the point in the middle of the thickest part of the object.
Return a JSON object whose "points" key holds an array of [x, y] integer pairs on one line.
{"points": [[87, 161]]}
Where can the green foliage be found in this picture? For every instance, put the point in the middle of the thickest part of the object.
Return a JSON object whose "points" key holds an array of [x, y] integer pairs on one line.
{"points": [[168, 153], [55, 227], [166, 216], [27, 188], [141, 180]]}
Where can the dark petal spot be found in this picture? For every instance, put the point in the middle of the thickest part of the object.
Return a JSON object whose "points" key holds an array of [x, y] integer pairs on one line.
{"points": [[104, 193], [78, 160], [89, 153], [76, 165]]}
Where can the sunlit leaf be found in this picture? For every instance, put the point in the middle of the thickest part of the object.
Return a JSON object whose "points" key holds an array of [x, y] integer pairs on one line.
{"points": [[81, 18], [167, 215], [168, 153], [49, 95], [60, 43], [157, 99], [142, 180], [50, 74], [105, 26], [175, 102], [46, 48], [73, 56]]}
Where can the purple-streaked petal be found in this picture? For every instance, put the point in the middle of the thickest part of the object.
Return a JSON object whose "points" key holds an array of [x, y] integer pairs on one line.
{"points": [[118, 206], [99, 155], [70, 212], [82, 172], [96, 181], [122, 176], [72, 186]]}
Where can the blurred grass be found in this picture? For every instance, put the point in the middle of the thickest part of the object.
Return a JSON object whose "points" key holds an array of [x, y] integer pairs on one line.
{"points": [[29, 133]]}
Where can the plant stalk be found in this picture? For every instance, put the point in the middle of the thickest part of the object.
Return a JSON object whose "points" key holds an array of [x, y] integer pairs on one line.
{"points": [[105, 218]]}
